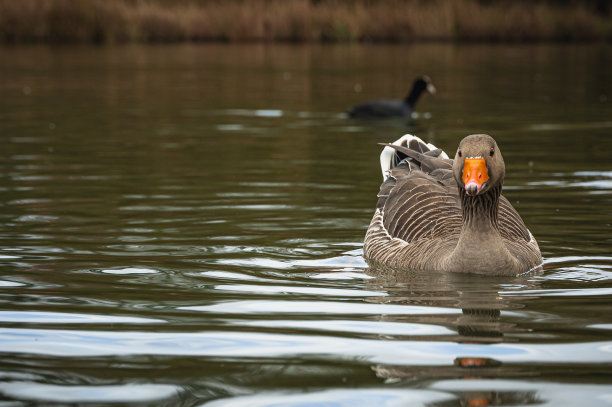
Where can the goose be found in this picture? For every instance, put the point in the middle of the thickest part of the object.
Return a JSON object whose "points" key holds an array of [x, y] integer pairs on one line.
{"points": [[436, 213], [393, 107]]}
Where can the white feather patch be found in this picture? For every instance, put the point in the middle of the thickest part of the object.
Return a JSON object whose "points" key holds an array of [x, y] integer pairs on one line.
{"points": [[386, 157]]}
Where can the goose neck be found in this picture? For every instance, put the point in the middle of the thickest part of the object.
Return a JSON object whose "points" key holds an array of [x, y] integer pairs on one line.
{"points": [[480, 248], [480, 212]]}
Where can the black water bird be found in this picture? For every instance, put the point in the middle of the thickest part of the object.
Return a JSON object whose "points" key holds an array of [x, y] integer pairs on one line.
{"points": [[393, 107]]}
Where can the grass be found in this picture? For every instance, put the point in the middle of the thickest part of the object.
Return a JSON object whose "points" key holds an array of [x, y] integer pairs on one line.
{"points": [[103, 21]]}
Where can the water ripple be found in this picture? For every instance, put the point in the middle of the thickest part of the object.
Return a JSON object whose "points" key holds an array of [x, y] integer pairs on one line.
{"points": [[124, 393], [280, 289], [130, 270], [346, 263], [71, 318], [337, 398], [545, 393], [566, 292], [72, 343], [318, 307], [361, 327]]}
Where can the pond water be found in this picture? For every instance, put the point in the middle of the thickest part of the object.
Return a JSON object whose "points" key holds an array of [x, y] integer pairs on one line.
{"points": [[183, 225]]}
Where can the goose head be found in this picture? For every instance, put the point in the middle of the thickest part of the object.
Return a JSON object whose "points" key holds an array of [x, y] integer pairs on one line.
{"points": [[478, 165]]}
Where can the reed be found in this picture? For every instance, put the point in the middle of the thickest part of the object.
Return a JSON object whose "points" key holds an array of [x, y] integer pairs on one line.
{"points": [[298, 20]]}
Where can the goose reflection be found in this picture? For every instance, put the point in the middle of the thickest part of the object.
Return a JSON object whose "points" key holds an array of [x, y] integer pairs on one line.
{"points": [[478, 298], [480, 322]]}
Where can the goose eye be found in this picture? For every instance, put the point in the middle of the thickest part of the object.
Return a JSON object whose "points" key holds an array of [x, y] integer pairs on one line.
{"points": [[492, 152], [459, 153]]}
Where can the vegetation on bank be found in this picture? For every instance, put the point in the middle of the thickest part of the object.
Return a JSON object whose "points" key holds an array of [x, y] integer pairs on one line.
{"points": [[302, 20]]}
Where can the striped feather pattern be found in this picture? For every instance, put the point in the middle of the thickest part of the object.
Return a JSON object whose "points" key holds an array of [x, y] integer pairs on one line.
{"points": [[418, 220]]}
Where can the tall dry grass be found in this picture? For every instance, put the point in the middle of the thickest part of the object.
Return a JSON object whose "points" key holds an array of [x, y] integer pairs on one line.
{"points": [[298, 20]]}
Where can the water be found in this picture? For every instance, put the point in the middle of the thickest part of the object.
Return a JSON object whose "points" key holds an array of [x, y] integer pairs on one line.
{"points": [[182, 225]]}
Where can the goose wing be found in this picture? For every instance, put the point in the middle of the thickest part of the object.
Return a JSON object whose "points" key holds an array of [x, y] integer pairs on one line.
{"points": [[511, 225], [419, 198]]}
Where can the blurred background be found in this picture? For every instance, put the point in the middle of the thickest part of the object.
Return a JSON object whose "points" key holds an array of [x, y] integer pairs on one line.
{"points": [[303, 20]]}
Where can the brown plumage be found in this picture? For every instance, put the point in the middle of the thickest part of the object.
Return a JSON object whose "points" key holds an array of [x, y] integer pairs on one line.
{"points": [[435, 213]]}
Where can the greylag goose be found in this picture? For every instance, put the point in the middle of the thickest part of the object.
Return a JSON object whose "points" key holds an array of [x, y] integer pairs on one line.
{"points": [[393, 107], [436, 213]]}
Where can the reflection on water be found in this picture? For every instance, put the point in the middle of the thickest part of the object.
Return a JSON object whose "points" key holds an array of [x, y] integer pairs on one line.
{"points": [[45, 393], [182, 225]]}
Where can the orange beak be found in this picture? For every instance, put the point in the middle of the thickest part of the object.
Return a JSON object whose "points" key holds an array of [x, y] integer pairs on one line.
{"points": [[475, 175]]}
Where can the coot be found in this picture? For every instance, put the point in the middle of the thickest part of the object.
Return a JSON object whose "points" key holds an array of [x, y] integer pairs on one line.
{"points": [[393, 107]]}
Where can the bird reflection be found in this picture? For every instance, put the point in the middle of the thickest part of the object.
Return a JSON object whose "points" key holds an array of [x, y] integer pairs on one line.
{"points": [[480, 322], [477, 296]]}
